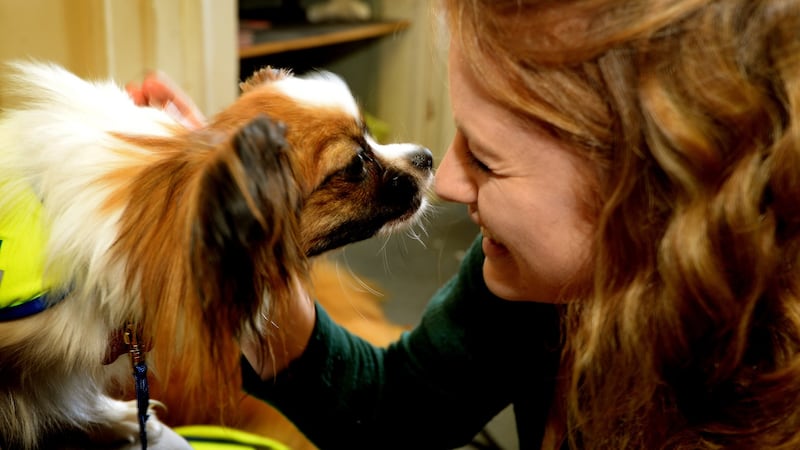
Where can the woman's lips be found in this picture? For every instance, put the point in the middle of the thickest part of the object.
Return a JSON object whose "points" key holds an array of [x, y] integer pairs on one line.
{"points": [[491, 247]]}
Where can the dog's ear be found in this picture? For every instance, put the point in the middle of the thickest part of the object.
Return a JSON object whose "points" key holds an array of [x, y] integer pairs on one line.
{"points": [[264, 75], [245, 233]]}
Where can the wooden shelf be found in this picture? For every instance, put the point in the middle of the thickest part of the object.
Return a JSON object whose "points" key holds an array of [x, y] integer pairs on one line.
{"points": [[289, 38]]}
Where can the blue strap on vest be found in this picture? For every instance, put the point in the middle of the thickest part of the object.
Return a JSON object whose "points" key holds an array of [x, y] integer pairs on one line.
{"points": [[26, 309], [30, 307]]}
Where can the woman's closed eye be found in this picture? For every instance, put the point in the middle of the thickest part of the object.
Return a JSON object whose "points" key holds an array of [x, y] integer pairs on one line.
{"points": [[467, 148], [475, 162]]}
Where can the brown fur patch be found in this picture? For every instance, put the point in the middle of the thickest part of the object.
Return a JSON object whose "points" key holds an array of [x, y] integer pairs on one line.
{"points": [[311, 130]]}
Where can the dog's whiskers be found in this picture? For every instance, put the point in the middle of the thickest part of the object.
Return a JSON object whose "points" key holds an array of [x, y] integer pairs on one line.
{"points": [[361, 283], [382, 248], [416, 235]]}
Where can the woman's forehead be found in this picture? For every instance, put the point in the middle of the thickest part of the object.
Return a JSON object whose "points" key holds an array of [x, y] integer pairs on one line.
{"points": [[465, 89]]}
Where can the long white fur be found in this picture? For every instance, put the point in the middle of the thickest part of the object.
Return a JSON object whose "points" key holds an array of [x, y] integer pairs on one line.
{"points": [[60, 147], [323, 89]]}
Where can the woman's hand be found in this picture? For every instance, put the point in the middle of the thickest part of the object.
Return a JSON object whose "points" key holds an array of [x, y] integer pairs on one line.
{"points": [[158, 91], [291, 325]]}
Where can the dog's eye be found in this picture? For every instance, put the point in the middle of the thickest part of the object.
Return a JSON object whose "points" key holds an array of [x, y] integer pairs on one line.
{"points": [[357, 168]]}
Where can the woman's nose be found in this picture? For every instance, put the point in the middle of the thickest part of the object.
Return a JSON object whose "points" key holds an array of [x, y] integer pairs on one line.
{"points": [[452, 182]]}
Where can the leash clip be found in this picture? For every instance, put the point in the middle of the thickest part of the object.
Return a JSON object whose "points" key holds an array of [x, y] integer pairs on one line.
{"points": [[131, 339]]}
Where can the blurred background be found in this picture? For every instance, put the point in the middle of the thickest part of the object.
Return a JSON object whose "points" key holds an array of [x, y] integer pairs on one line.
{"points": [[394, 61], [392, 54]]}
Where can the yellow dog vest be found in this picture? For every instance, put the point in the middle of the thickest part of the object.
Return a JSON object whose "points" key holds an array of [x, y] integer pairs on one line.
{"points": [[214, 437], [22, 243]]}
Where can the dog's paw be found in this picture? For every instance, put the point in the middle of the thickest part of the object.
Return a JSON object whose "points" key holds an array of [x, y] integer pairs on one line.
{"points": [[119, 423], [167, 440]]}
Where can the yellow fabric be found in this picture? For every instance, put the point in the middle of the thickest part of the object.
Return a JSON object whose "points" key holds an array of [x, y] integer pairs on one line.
{"points": [[213, 437], [22, 244]]}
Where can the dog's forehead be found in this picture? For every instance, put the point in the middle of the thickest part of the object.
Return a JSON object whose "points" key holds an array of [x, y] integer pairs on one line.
{"points": [[320, 89]]}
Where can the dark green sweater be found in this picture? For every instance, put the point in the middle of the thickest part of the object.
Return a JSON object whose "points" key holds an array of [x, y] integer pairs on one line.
{"points": [[471, 356]]}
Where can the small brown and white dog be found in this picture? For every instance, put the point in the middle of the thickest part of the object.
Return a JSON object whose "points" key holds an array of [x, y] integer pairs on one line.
{"points": [[188, 237]]}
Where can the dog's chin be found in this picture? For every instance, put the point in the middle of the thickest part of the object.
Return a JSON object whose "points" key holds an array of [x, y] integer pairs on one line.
{"points": [[324, 245], [345, 234], [353, 231]]}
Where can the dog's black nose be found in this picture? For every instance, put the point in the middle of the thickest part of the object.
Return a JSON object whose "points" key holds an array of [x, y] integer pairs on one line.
{"points": [[422, 159]]}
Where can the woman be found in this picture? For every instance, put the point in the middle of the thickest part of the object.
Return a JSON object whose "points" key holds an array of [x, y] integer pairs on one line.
{"points": [[633, 166]]}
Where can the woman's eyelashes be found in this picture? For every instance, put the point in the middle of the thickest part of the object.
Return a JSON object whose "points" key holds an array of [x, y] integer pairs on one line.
{"points": [[477, 163], [469, 154], [473, 160]]}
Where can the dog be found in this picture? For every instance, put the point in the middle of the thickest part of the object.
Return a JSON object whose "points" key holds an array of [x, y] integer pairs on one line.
{"points": [[179, 240]]}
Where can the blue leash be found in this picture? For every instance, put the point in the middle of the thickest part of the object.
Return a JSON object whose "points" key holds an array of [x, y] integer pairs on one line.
{"points": [[131, 338], [140, 380]]}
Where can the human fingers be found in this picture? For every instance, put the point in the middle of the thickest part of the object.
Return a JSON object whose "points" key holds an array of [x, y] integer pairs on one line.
{"points": [[159, 91], [134, 90]]}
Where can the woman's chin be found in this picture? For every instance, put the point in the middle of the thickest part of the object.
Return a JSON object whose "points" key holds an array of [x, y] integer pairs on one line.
{"points": [[500, 279], [503, 279]]}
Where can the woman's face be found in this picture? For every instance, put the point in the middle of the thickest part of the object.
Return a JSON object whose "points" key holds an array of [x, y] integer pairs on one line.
{"points": [[522, 187]]}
